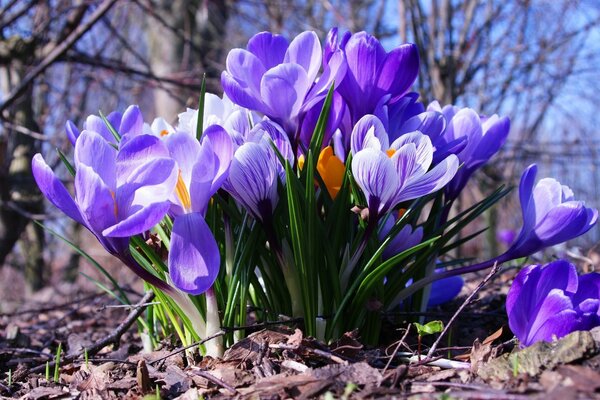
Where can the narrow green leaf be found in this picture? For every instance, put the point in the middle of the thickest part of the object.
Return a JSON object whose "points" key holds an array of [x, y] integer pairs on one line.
{"points": [[200, 123], [112, 130], [66, 162]]}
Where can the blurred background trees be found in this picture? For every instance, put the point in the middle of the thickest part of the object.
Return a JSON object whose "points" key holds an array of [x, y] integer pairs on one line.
{"points": [[537, 61]]}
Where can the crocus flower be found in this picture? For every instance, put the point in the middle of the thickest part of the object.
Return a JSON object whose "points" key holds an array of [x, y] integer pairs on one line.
{"points": [[372, 73], [388, 176], [552, 301], [236, 120], [506, 236], [278, 79], [194, 258], [130, 122], [484, 137], [550, 215], [118, 194]]}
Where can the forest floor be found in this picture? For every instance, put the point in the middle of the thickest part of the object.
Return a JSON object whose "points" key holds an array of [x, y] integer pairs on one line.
{"points": [[278, 362]]}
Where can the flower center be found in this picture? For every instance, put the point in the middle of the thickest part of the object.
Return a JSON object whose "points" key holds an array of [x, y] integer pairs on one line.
{"points": [[164, 132], [390, 152]]}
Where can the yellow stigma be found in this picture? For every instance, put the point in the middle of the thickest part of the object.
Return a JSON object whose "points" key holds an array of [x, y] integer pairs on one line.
{"points": [[390, 152], [164, 132], [115, 208], [183, 194], [301, 161], [331, 170]]}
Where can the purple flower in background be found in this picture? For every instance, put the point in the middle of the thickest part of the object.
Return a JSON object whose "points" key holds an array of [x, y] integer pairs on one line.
{"points": [[277, 78], [388, 176], [550, 215], [373, 75], [506, 236], [484, 137], [194, 258], [130, 122], [551, 300]]}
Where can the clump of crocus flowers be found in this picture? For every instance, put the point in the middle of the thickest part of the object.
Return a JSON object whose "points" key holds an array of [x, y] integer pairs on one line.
{"points": [[317, 187]]}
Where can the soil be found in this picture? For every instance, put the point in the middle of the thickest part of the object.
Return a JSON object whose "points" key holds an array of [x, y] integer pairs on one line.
{"points": [[477, 359]]}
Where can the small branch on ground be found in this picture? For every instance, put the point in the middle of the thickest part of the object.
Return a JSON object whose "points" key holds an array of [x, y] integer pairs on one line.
{"points": [[467, 301], [216, 335], [113, 338]]}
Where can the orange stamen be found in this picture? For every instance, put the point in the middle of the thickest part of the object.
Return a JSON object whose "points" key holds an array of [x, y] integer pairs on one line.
{"points": [[164, 132], [390, 152], [183, 194]]}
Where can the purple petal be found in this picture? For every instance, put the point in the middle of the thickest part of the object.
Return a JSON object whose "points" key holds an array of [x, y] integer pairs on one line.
{"points": [[143, 219], [132, 122], [562, 223], [136, 151], [184, 149], [444, 290], [53, 188], [240, 93], [369, 133], [283, 89], [72, 132], [268, 48], [399, 70], [305, 50], [430, 123], [555, 316], [221, 144], [203, 176], [194, 258], [94, 151], [95, 199], [253, 177], [376, 176], [432, 181]]}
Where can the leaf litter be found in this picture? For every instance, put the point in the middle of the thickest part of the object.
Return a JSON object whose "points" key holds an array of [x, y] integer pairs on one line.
{"points": [[280, 362]]}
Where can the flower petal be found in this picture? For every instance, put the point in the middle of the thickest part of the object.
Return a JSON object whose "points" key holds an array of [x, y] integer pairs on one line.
{"points": [[194, 258], [377, 178], [369, 132], [53, 188], [283, 89], [305, 50], [268, 48]]}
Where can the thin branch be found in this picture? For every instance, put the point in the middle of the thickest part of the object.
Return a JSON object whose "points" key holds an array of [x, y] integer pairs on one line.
{"points": [[56, 53], [467, 301], [113, 338]]}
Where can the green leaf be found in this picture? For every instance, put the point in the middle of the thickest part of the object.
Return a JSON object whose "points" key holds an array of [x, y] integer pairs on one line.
{"points": [[112, 130], [200, 123], [66, 162], [429, 328]]}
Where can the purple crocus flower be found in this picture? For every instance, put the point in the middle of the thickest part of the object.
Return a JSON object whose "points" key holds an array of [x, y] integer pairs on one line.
{"points": [[278, 79], [484, 137], [253, 176], [552, 301], [118, 194], [130, 122], [372, 73], [388, 176], [550, 215], [194, 258]]}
